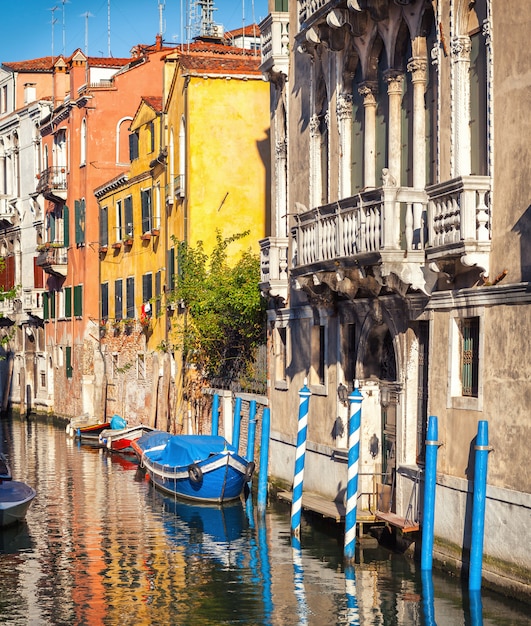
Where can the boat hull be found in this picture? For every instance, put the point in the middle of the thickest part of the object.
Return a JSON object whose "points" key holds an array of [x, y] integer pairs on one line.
{"points": [[15, 500], [219, 477], [121, 440]]}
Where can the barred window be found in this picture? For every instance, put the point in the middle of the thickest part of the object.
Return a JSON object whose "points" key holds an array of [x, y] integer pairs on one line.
{"points": [[469, 356]]}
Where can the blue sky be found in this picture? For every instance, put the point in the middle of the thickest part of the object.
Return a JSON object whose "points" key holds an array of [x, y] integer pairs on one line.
{"points": [[26, 30]]}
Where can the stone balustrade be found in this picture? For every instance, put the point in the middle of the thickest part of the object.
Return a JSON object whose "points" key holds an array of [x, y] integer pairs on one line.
{"points": [[274, 266], [378, 220], [275, 43], [459, 211]]}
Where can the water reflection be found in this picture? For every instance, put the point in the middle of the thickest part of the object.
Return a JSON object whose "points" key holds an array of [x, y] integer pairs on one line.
{"points": [[102, 546]]}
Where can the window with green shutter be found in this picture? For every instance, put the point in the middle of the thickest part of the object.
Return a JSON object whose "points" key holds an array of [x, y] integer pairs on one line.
{"points": [[68, 361], [147, 287], [79, 208], [469, 356], [52, 304], [46, 305], [104, 226], [68, 301], [66, 226], [130, 298], [118, 310], [104, 301], [128, 210], [78, 300], [145, 196]]}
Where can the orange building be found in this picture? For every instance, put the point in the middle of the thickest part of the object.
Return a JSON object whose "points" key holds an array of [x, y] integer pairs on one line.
{"points": [[85, 144]]}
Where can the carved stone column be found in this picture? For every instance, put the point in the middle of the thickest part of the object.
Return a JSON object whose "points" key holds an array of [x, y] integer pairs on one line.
{"points": [[344, 120], [281, 209], [368, 92], [395, 82], [315, 162], [417, 67], [460, 162]]}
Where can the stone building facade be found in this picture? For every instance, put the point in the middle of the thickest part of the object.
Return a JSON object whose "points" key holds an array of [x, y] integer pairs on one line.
{"points": [[398, 256]]}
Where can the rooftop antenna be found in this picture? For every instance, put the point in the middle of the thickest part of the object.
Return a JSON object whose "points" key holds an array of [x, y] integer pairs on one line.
{"points": [[109, 28], [63, 2], [162, 28], [54, 20], [86, 15]]}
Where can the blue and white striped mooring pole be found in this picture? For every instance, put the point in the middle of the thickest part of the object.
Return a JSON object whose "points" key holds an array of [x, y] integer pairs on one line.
{"points": [[478, 508], [215, 414], [354, 424], [430, 475], [300, 454]]}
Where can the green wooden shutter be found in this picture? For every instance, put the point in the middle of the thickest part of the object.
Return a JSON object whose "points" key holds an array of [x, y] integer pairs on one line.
{"points": [[68, 359], [52, 304], [68, 301], [78, 300], [46, 305], [128, 210], [66, 226]]}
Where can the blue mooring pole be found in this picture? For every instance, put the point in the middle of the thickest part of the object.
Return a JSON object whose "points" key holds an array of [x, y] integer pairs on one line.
{"points": [[215, 414], [298, 478], [478, 508], [354, 424], [430, 475], [251, 432], [236, 423], [264, 462]]}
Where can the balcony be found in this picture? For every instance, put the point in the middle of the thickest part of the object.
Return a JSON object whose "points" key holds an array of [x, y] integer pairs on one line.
{"points": [[459, 227], [310, 9], [32, 302], [52, 184], [8, 211], [54, 260], [275, 44], [373, 240], [178, 185], [274, 267]]}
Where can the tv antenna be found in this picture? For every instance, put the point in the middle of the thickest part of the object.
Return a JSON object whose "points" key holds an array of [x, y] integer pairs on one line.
{"points": [[63, 2], [86, 15], [54, 20], [162, 27]]}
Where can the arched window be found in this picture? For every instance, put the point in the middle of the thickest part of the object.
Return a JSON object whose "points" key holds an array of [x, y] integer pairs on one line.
{"points": [[83, 144]]}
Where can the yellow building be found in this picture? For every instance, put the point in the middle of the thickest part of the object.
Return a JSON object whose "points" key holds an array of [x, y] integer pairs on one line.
{"points": [[199, 165], [218, 142], [133, 274]]}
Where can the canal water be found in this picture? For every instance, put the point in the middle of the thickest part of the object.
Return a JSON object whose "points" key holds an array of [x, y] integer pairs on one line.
{"points": [[101, 546]]}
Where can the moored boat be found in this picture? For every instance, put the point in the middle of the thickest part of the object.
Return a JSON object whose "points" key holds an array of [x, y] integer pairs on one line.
{"points": [[15, 496], [91, 433], [120, 440], [81, 421], [203, 468]]}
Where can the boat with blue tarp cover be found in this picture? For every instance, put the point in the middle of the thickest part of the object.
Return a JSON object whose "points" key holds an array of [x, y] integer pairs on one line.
{"points": [[203, 468]]}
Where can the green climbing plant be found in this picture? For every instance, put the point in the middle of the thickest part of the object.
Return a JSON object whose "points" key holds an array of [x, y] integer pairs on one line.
{"points": [[223, 313]]}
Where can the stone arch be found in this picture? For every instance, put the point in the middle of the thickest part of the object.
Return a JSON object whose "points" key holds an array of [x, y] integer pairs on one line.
{"points": [[122, 139], [378, 353]]}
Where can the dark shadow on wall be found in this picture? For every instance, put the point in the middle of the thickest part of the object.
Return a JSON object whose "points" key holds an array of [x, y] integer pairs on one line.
{"points": [[523, 228]]}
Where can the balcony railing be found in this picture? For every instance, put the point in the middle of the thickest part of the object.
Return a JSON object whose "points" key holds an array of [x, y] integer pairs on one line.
{"points": [[32, 301], [274, 266], [52, 183], [459, 216], [275, 43], [386, 219], [7, 209], [308, 8], [54, 260]]}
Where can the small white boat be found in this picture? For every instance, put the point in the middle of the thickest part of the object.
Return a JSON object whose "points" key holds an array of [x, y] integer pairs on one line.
{"points": [[120, 440], [15, 496], [83, 421]]}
